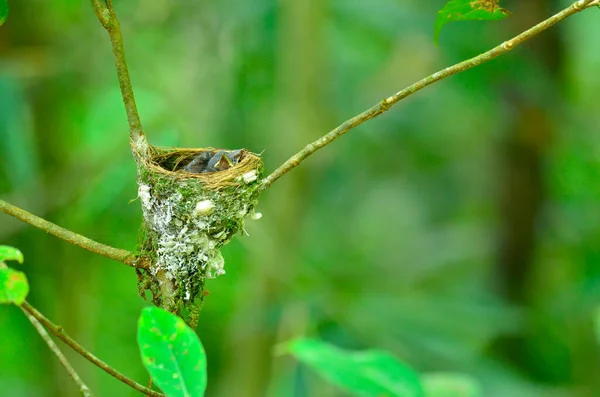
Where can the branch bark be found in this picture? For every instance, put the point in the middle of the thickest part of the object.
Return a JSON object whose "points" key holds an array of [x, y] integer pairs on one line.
{"points": [[108, 18], [116, 254], [85, 391], [386, 103], [60, 334]]}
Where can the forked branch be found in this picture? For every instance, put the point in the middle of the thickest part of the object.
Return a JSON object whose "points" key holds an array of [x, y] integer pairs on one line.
{"points": [[85, 391], [386, 103], [107, 17], [60, 334]]}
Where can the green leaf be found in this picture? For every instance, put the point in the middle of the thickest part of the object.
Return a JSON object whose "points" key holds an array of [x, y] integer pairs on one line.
{"points": [[13, 286], [3, 11], [468, 10], [172, 353], [450, 385], [9, 253], [369, 373]]}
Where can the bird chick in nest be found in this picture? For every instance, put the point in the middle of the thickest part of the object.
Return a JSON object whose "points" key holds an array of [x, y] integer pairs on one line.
{"points": [[211, 161]]}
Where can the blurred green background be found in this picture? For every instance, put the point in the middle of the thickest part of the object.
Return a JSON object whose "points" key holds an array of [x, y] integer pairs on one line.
{"points": [[460, 230]]}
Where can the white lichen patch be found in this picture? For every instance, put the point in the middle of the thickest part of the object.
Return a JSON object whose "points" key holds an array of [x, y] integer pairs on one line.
{"points": [[185, 243], [255, 216], [144, 194], [250, 176], [187, 227], [204, 207]]}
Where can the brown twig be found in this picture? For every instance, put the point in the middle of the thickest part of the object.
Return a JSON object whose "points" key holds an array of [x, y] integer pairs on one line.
{"points": [[150, 383], [116, 254], [60, 334], [386, 103], [108, 18], [85, 391]]}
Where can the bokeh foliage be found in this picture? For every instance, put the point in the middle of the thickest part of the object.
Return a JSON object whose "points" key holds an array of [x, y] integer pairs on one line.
{"points": [[387, 239]]}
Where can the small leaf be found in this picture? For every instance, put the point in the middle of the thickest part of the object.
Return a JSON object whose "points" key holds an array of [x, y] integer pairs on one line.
{"points": [[450, 385], [13, 286], [369, 373], [9, 253], [172, 353], [3, 11], [468, 10]]}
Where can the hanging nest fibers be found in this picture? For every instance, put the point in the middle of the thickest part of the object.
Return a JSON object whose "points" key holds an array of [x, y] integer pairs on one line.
{"points": [[189, 217]]}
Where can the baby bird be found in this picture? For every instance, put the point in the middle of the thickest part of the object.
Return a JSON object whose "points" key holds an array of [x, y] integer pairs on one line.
{"points": [[198, 164], [235, 155], [210, 161], [218, 162]]}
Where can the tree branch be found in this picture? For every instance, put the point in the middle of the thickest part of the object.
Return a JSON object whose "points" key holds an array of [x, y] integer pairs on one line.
{"points": [[63, 360], [386, 103], [116, 254], [60, 334], [108, 18]]}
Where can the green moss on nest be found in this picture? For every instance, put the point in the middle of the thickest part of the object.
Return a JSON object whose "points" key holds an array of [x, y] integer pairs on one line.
{"points": [[188, 218]]}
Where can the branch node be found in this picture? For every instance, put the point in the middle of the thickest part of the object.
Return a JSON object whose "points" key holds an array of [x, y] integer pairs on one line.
{"points": [[387, 103], [105, 19], [85, 391], [60, 334]]}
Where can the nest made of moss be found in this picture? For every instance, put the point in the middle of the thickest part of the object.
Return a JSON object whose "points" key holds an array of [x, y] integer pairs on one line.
{"points": [[172, 161], [189, 217]]}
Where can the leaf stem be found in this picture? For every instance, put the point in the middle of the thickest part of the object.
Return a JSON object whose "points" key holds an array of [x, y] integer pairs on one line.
{"points": [[116, 254], [60, 334], [85, 391], [386, 103], [108, 19]]}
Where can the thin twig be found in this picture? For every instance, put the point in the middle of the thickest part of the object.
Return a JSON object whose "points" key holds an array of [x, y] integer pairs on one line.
{"points": [[386, 103], [63, 360], [150, 383], [108, 18], [116, 254], [60, 334]]}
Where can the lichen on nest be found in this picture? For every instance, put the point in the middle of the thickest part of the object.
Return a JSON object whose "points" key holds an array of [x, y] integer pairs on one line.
{"points": [[188, 218]]}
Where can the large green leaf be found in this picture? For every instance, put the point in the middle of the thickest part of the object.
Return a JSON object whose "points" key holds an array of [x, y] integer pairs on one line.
{"points": [[369, 373], [450, 385], [172, 353], [3, 11], [13, 285], [9, 253], [468, 10]]}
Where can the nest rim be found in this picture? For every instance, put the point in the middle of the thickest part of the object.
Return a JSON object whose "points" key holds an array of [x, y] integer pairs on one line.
{"points": [[159, 157]]}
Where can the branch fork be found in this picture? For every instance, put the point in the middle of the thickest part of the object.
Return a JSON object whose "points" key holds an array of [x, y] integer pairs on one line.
{"points": [[141, 149]]}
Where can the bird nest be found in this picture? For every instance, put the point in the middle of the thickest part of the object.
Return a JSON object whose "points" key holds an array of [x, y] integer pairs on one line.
{"points": [[190, 216], [172, 162]]}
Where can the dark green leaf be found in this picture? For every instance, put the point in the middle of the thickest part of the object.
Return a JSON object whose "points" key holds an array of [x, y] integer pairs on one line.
{"points": [[468, 10], [450, 385], [369, 373], [9, 253], [13, 286], [3, 11], [172, 353]]}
